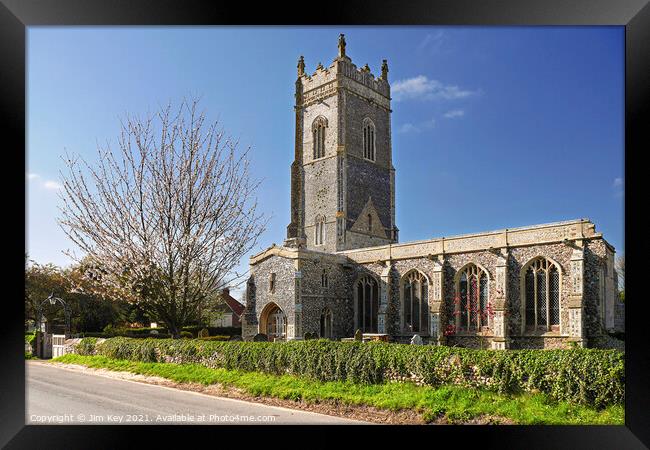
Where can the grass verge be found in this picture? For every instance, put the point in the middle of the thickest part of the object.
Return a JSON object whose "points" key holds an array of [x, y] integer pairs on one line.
{"points": [[453, 403]]}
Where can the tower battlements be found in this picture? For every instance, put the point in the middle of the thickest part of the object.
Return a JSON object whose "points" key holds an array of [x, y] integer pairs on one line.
{"points": [[341, 73]]}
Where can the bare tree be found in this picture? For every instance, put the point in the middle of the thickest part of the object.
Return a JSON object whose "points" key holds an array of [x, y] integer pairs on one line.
{"points": [[164, 220]]}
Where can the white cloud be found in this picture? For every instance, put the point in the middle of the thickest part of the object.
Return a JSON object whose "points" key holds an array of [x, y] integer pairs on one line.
{"points": [[618, 182], [429, 123], [408, 128], [432, 41], [52, 185], [454, 113], [422, 88], [32, 176]]}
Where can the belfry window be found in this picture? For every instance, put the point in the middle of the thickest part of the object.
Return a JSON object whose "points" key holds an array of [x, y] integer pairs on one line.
{"points": [[415, 301], [470, 303], [368, 140], [319, 231], [318, 132], [542, 295]]}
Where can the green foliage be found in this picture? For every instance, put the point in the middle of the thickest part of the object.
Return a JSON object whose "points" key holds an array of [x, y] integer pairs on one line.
{"points": [[86, 346], [89, 312], [29, 337], [454, 404], [215, 338], [187, 335], [585, 376], [214, 331]]}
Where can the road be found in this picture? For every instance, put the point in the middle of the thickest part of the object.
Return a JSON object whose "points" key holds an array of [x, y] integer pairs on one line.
{"points": [[56, 395]]}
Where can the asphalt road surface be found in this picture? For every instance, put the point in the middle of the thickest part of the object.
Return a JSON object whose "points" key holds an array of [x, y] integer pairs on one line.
{"points": [[56, 395]]}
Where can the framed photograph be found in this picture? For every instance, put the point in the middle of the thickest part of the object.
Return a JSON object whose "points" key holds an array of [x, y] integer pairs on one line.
{"points": [[380, 214]]}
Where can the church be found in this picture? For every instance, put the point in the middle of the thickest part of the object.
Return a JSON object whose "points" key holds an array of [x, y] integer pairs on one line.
{"points": [[343, 269]]}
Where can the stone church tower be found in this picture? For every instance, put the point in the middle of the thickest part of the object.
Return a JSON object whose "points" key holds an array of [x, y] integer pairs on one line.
{"points": [[342, 177]]}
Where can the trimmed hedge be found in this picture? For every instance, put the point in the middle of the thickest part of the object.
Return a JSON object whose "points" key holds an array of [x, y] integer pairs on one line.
{"points": [[586, 376]]}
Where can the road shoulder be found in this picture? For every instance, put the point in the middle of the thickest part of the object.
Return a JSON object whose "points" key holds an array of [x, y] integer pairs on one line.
{"points": [[357, 413]]}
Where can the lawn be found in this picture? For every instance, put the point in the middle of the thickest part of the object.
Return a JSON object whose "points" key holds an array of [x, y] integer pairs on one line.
{"points": [[456, 404]]}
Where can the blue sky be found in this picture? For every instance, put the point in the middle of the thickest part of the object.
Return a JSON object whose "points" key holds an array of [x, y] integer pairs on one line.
{"points": [[493, 127]]}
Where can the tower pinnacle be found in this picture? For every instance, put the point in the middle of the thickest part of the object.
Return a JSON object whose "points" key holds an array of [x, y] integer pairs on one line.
{"points": [[301, 66], [341, 45], [384, 70]]}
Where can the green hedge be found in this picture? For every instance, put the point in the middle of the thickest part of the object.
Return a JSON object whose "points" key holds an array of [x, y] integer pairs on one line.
{"points": [[586, 376], [215, 338]]}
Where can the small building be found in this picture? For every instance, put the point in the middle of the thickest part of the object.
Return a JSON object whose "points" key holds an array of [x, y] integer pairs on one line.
{"points": [[231, 311]]}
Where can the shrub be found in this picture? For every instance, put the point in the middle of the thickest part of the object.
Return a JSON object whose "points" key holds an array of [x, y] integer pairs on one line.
{"points": [[215, 338], [214, 331], [186, 334], [587, 376], [86, 346]]}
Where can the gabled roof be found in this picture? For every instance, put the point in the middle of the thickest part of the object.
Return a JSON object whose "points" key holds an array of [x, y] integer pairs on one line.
{"points": [[230, 304]]}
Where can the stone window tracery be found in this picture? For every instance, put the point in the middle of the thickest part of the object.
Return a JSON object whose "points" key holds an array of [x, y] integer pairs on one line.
{"points": [[415, 302], [471, 301], [368, 139], [542, 295], [324, 279], [318, 133], [367, 304], [276, 324]]}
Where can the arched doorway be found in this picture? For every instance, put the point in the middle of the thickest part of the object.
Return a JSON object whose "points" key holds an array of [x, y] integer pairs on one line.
{"points": [[273, 322], [326, 324]]}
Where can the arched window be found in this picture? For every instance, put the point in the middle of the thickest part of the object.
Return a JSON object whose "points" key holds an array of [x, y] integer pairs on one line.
{"points": [[319, 231], [415, 302], [542, 295], [326, 322], [318, 133], [276, 323], [368, 139], [471, 298], [367, 305], [324, 279], [369, 222]]}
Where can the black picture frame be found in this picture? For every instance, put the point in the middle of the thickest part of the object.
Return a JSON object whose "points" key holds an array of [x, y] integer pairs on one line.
{"points": [[634, 15]]}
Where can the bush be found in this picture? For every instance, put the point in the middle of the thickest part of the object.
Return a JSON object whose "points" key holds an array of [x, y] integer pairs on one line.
{"points": [[214, 331], [86, 346], [215, 338], [586, 376], [187, 335]]}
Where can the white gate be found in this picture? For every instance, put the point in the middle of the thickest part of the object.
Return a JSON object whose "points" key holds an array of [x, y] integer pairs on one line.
{"points": [[58, 345]]}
